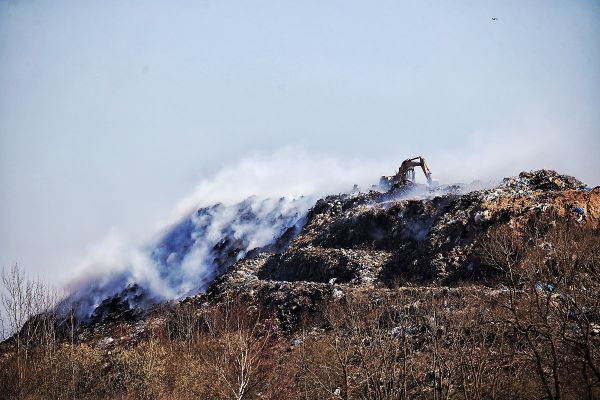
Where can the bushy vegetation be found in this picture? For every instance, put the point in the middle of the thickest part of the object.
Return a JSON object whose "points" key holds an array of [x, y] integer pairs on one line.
{"points": [[534, 333]]}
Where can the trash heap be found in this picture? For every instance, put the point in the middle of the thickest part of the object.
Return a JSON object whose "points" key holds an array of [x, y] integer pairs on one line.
{"points": [[423, 236], [542, 180], [377, 240]]}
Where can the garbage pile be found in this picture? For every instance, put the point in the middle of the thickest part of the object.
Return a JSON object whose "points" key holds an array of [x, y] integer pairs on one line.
{"points": [[374, 240], [542, 180], [384, 239]]}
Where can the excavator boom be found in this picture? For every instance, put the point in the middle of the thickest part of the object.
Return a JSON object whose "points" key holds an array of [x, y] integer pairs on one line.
{"points": [[406, 172], [407, 169]]}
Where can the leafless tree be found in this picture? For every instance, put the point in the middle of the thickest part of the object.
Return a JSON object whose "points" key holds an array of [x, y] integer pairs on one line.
{"points": [[28, 306], [237, 339]]}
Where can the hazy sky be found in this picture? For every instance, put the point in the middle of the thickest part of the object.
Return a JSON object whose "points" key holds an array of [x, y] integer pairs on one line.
{"points": [[112, 111]]}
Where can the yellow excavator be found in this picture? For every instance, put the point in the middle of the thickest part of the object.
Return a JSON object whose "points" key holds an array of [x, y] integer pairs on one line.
{"points": [[406, 173]]}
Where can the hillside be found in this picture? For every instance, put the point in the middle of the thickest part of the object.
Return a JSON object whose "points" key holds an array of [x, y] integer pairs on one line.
{"points": [[453, 291]]}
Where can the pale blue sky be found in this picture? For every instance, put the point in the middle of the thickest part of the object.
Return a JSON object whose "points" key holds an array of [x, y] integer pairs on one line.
{"points": [[111, 111]]}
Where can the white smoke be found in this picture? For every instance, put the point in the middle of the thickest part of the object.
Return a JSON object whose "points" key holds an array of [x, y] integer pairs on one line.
{"points": [[532, 140], [242, 207], [288, 172]]}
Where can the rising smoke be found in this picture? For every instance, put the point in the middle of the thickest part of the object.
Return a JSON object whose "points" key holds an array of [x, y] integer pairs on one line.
{"points": [[243, 207]]}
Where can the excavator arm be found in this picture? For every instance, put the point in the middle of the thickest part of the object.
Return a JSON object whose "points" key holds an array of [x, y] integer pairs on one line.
{"points": [[406, 172], [426, 170]]}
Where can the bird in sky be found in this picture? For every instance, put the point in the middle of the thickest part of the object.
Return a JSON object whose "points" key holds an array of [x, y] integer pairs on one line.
{"points": [[494, 19]]}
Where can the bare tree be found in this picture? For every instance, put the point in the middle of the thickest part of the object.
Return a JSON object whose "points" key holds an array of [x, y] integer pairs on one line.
{"points": [[29, 308], [237, 339]]}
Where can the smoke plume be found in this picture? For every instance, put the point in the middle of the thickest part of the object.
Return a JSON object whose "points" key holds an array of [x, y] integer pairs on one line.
{"points": [[247, 206]]}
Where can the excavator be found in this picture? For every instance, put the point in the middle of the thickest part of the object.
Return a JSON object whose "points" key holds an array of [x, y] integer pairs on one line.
{"points": [[406, 173]]}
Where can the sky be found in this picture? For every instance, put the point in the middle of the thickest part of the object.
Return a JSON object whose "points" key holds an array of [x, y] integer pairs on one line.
{"points": [[113, 113]]}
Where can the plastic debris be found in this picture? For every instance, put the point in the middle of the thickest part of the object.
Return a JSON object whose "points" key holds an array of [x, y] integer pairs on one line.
{"points": [[547, 287], [482, 216], [580, 214]]}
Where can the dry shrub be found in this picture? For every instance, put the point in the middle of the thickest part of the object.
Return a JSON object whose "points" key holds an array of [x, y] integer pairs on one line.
{"points": [[187, 375], [139, 372], [552, 309], [363, 353], [65, 373]]}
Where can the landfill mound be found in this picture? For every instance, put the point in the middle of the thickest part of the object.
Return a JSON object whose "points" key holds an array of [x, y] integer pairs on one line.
{"points": [[404, 235], [386, 240], [410, 234], [408, 237]]}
